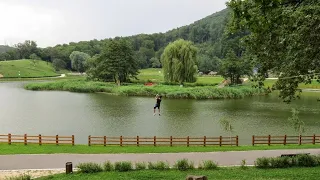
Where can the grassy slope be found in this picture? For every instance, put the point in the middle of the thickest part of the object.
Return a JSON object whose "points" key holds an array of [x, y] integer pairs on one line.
{"points": [[84, 149], [10, 69], [221, 173], [314, 84], [156, 75]]}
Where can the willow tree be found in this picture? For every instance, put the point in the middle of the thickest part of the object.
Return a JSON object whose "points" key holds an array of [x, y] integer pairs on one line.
{"points": [[179, 61]]}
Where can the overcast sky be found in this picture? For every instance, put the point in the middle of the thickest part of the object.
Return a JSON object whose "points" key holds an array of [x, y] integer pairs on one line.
{"points": [[51, 22]]}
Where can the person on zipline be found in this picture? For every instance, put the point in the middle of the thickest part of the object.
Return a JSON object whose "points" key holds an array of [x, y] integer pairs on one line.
{"points": [[157, 105]]}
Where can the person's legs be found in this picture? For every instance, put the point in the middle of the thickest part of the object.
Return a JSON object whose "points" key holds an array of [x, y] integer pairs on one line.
{"points": [[159, 109]]}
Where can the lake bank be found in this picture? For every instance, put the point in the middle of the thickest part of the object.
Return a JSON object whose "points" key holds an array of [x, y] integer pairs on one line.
{"points": [[169, 91]]}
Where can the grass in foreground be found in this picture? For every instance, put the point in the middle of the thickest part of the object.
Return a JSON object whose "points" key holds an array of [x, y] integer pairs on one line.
{"points": [[221, 173], [169, 91], [84, 149], [10, 69]]}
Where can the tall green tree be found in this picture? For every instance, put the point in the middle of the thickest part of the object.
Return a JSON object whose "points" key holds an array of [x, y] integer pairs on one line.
{"points": [[179, 62], [26, 48], [117, 61], [78, 60], [234, 67], [284, 38]]}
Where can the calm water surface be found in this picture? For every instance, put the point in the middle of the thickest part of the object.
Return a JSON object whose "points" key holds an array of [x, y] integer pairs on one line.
{"points": [[65, 113]]}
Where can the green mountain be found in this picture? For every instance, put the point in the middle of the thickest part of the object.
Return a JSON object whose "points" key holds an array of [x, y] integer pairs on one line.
{"points": [[206, 34]]}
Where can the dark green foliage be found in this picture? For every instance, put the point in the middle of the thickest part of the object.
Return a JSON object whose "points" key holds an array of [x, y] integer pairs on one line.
{"points": [[284, 39], [123, 166], [262, 162], [184, 165], [307, 160], [89, 167], [108, 166], [116, 62]]}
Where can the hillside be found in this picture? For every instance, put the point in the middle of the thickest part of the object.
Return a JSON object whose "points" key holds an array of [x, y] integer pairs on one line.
{"points": [[4, 48], [27, 68], [206, 34]]}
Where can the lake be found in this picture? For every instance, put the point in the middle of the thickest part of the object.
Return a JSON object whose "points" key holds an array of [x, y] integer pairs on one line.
{"points": [[66, 113]]}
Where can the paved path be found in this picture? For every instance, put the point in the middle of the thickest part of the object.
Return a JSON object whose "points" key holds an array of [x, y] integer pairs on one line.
{"points": [[52, 161]]}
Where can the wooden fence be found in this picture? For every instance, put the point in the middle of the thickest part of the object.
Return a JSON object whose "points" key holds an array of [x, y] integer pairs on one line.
{"points": [[39, 139], [270, 140], [163, 141]]}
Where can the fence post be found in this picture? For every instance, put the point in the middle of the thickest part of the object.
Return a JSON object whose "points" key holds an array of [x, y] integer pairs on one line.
{"points": [[120, 140], [72, 139], [40, 142], [89, 140], [269, 140], [204, 141], [314, 139], [25, 139], [237, 140], [137, 140], [104, 140], [170, 140], [154, 140], [252, 140], [220, 140], [300, 139], [9, 138], [285, 140], [57, 140], [188, 141]]}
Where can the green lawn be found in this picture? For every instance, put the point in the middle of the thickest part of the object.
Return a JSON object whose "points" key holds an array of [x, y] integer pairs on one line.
{"points": [[156, 75], [314, 84], [221, 174], [84, 149], [10, 69]]}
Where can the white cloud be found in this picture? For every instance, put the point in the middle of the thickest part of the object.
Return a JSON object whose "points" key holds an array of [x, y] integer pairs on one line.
{"points": [[21, 22]]}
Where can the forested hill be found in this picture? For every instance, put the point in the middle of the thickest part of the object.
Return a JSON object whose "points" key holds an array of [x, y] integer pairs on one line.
{"points": [[205, 33], [4, 48]]}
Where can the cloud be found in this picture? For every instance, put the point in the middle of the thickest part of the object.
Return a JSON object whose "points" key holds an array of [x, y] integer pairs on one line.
{"points": [[51, 22]]}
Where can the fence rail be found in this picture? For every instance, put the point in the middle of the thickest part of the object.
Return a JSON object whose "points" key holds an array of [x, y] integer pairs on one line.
{"points": [[270, 140], [36, 139], [163, 141], [159, 141]]}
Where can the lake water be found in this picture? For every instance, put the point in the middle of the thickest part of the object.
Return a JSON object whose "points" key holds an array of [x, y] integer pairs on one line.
{"points": [[66, 113]]}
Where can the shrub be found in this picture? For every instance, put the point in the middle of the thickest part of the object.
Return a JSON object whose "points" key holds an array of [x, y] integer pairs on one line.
{"points": [[262, 162], [141, 166], [108, 166], [123, 166], [160, 165], [280, 162], [209, 165], [306, 161], [89, 167], [184, 165]]}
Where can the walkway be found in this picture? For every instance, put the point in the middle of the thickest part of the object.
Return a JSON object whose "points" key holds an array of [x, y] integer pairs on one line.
{"points": [[52, 161]]}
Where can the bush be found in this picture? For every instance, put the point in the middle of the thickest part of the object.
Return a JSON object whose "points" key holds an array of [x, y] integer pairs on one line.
{"points": [[209, 165], [141, 166], [160, 165], [21, 177], [262, 162], [281, 162], [89, 167], [306, 161], [108, 166], [184, 165], [123, 166]]}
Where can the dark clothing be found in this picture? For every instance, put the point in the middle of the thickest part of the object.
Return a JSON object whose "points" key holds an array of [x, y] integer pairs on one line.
{"points": [[157, 105]]}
